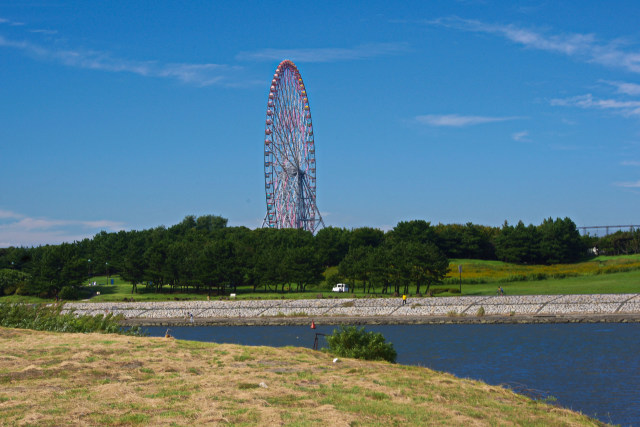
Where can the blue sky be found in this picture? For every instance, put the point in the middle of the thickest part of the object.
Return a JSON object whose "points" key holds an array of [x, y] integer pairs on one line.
{"points": [[129, 115]]}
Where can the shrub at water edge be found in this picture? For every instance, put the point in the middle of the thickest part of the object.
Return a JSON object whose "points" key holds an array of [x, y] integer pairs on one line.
{"points": [[350, 341]]}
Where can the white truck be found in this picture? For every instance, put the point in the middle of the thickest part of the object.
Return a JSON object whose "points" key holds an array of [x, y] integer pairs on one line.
{"points": [[340, 287]]}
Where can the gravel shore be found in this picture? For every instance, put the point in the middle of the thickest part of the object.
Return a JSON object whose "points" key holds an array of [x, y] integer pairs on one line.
{"points": [[465, 309]]}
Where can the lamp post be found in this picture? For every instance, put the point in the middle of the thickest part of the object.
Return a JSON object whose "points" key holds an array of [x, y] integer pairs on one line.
{"points": [[106, 266], [89, 267]]}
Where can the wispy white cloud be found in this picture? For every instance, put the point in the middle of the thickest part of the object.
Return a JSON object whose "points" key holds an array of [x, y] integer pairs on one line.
{"points": [[521, 136], [455, 120], [586, 47], [630, 163], [9, 215], [26, 223], [20, 230], [12, 23], [43, 31], [633, 184], [196, 74], [624, 108], [364, 51], [625, 88]]}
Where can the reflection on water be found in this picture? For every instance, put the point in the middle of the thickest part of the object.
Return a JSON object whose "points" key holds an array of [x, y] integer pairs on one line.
{"points": [[591, 368]]}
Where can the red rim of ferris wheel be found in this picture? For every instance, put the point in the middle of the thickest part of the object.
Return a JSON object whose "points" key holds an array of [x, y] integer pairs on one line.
{"points": [[289, 154]]}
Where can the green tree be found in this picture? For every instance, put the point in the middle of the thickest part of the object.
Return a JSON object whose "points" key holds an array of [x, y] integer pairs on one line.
{"points": [[365, 236], [181, 229], [11, 280], [560, 241], [477, 241], [217, 267], [400, 267], [303, 267], [431, 266], [332, 280], [355, 266], [16, 258], [417, 231], [620, 243], [380, 265], [155, 256], [450, 240], [56, 266], [332, 245], [519, 244], [266, 269], [210, 223], [134, 265]]}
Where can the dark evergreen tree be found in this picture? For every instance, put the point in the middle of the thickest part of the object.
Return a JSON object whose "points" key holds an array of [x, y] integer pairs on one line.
{"points": [[519, 244]]}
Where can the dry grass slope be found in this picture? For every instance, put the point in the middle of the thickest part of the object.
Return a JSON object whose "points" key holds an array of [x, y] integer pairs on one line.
{"points": [[96, 379]]}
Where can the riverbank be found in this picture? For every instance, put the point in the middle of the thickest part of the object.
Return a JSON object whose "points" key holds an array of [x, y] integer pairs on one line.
{"points": [[97, 379], [464, 309], [378, 320]]}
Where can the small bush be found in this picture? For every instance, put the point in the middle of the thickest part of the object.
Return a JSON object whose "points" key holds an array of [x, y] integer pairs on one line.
{"points": [[10, 289], [299, 314], [538, 276], [480, 312], [350, 341], [69, 293]]}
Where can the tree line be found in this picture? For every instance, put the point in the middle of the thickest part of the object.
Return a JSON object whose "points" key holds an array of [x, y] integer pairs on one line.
{"points": [[204, 254]]}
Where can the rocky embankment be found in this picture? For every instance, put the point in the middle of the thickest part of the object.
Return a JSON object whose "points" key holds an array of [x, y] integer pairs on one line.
{"points": [[463, 309]]}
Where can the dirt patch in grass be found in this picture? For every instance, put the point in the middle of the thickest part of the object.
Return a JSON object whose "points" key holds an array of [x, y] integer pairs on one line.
{"points": [[158, 381]]}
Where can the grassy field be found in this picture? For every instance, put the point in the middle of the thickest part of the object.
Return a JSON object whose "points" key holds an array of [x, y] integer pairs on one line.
{"points": [[614, 283], [478, 271], [96, 379], [619, 274], [601, 275]]}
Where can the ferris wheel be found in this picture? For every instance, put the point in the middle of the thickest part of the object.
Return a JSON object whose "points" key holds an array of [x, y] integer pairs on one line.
{"points": [[290, 154]]}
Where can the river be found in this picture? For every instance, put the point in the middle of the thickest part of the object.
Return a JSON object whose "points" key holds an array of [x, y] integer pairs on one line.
{"points": [[591, 368]]}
